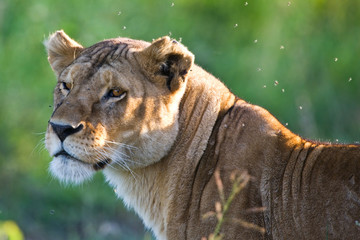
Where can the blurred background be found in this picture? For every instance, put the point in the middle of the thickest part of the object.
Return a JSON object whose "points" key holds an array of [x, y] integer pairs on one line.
{"points": [[298, 59]]}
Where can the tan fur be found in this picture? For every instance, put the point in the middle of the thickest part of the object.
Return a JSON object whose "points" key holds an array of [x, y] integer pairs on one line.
{"points": [[174, 125], [62, 51]]}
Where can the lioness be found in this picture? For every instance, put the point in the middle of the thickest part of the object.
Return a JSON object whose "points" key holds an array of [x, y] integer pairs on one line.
{"points": [[159, 126]]}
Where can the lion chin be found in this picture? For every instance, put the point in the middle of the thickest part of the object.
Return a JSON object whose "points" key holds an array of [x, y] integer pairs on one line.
{"points": [[70, 171], [171, 139]]}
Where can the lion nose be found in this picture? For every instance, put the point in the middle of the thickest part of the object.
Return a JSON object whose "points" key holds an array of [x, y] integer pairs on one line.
{"points": [[63, 131]]}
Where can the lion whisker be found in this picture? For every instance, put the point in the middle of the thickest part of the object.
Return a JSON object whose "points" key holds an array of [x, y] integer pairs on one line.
{"points": [[121, 144], [39, 133], [40, 146], [103, 156], [120, 158], [121, 154]]}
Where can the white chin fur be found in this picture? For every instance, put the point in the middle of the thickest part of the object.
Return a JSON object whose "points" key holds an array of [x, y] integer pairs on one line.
{"points": [[70, 171]]}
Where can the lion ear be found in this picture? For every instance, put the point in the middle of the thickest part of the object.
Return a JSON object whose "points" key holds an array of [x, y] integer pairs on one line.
{"points": [[166, 62], [62, 50]]}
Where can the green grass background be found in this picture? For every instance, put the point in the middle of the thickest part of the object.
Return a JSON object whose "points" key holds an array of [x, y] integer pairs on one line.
{"points": [[306, 53]]}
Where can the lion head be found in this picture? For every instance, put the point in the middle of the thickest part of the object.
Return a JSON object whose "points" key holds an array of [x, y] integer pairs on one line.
{"points": [[115, 103]]}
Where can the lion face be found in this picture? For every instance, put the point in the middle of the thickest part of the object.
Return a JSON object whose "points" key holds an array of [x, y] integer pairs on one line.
{"points": [[115, 104]]}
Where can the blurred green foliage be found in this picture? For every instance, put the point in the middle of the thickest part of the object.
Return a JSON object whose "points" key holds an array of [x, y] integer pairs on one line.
{"points": [[298, 59]]}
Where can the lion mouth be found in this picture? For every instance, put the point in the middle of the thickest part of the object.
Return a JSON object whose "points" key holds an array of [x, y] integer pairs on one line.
{"points": [[65, 154], [96, 166], [101, 165]]}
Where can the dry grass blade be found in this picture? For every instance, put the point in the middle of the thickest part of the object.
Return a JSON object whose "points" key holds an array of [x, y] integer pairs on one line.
{"points": [[249, 225], [219, 185], [240, 180]]}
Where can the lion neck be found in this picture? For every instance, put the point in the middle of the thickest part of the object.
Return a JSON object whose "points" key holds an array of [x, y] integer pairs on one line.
{"points": [[152, 191]]}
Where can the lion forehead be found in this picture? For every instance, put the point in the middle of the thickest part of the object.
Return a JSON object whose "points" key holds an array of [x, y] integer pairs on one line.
{"points": [[110, 50]]}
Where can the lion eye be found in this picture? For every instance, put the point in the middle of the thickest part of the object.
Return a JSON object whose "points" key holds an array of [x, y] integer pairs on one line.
{"points": [[67, 85], [116, 93]]}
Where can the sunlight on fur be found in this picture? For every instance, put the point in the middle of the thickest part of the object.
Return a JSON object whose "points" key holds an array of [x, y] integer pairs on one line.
{"points": [[163, 130]]}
